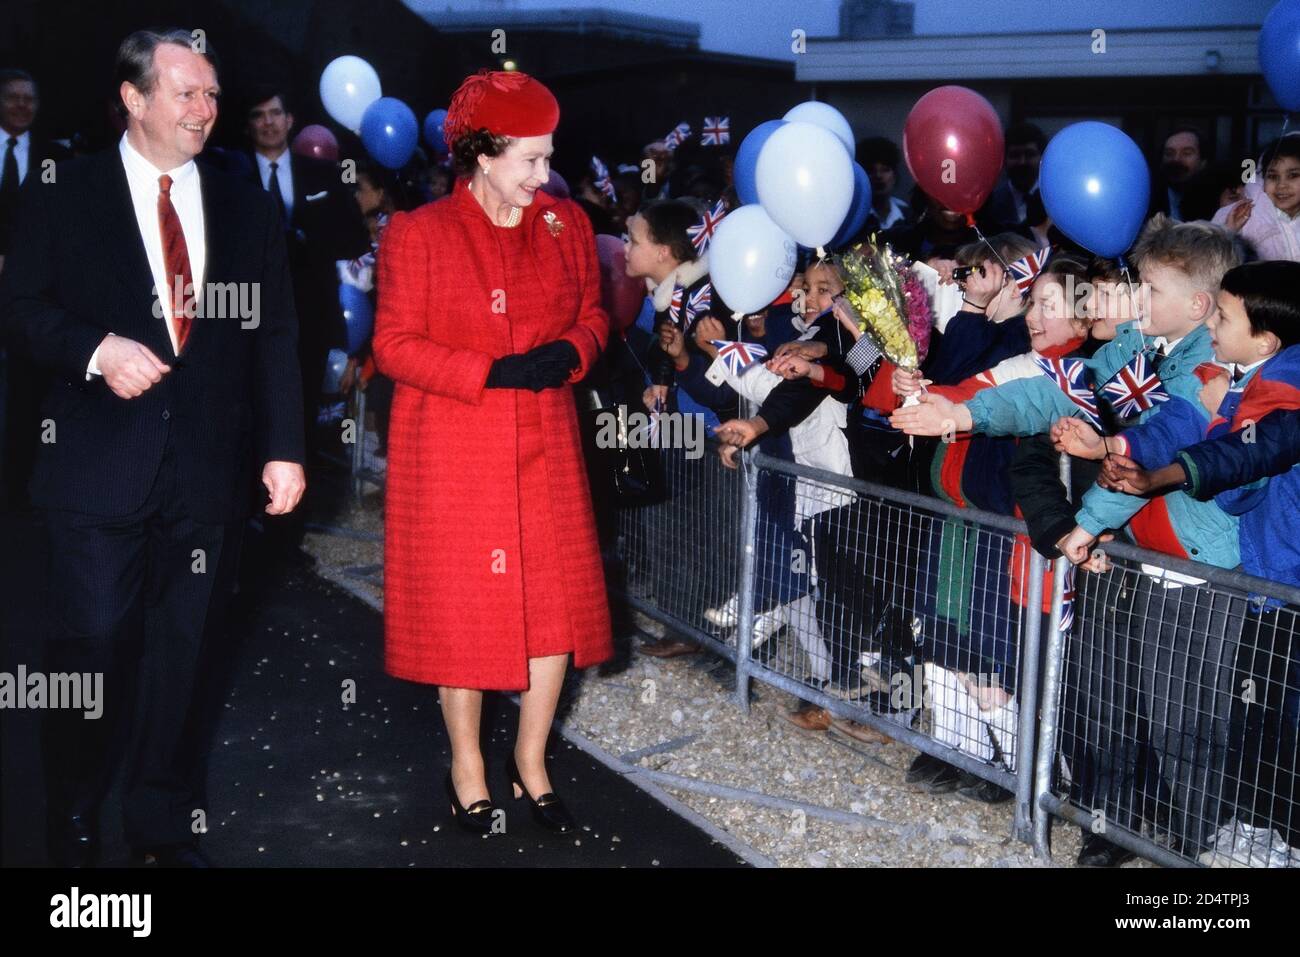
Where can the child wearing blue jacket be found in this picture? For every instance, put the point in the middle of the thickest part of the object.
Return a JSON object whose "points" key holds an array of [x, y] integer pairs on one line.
{"points": [[1256, 331]]}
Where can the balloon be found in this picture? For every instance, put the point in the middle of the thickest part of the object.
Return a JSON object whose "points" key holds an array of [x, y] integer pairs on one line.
{"points": [[952, 141], [751, 259], [859, 210], [433, 134], [347, 86], [556, 186], [1095, 186], [389, 132], [316, 142], [1279, 53], [358, 316], [620, 294], [335, 365], [805, 182], [825, 116], [743, 169]]}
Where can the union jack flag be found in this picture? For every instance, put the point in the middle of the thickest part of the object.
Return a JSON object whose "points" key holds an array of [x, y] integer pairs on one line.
{"points": [[739, 356], [699, 302], [603, 182], [717, 130], [675, 305], [678, 136], [1070, 376], [1134, 389], [1026, 270], [1067, 602], [702, 232]]}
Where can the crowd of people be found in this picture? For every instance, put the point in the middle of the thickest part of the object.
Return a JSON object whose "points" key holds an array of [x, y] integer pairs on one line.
{"points": [[1169, 378], [1173, 385]]}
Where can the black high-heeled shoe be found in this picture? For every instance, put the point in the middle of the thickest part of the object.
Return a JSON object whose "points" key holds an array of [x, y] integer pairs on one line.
{"points": [[548, 810], [477, 817]]}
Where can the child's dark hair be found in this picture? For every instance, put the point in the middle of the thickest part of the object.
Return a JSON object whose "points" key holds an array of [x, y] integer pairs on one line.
{"points": [[1285, 145], [1108, 271], [1270, 291], [667, 220]]}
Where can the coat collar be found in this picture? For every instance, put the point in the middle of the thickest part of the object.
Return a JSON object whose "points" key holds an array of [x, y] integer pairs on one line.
{"points": [[686, 275]]}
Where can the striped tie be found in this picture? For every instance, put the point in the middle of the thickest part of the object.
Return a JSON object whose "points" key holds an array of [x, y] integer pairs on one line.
{"points": [[176, 261]]}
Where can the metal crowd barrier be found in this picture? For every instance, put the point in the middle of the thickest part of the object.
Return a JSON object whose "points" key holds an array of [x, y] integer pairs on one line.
{"points": [[931, 624]]}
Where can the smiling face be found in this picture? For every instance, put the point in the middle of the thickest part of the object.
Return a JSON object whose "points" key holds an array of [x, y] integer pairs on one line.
{"points": [[1282, 184], [824, 284], [1050, 319], [1110, 305], [1232, 337], [269, 124], [170, 125], [519, 172], [17, 106]]}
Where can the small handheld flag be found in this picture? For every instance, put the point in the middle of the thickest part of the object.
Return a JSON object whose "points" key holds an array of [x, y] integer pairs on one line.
{"points": [[1025, 271], [739, 356], [716, 132], [603, 182], [1134, 388], [1070, 376], [702, 232], [699, 302], [677, 136]]}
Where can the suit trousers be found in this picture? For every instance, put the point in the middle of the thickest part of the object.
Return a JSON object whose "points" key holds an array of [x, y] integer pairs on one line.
{"points": [[140, 598]]}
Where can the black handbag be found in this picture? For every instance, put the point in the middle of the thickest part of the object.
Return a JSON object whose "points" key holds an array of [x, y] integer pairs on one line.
{"points": [[627, 475]]}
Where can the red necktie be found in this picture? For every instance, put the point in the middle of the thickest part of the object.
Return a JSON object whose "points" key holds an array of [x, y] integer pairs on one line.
{"points": [[176, 260]]}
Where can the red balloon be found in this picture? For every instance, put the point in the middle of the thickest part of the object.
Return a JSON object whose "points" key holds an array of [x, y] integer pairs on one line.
{"points": [[316, 142], [620, 294], [953, 145]]}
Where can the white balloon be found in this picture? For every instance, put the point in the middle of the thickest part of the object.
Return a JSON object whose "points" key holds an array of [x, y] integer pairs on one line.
{"points": [[751, 259], [824, 115], [347, 86], [805, 182]]}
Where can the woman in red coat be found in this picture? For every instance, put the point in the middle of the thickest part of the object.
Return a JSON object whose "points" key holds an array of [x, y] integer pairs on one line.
{"points": [[489, 308]]}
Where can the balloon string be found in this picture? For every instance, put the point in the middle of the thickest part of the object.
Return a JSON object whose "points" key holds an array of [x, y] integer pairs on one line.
{"points": [[1132, 290], [1286, 121], [1002, 262]]}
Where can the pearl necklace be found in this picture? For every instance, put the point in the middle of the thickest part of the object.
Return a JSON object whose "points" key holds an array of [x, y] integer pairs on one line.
{"points": [[516, 214]]}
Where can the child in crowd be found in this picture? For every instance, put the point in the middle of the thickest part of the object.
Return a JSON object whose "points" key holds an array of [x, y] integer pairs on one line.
{"points": [[1269, 217], [1256, 332]]}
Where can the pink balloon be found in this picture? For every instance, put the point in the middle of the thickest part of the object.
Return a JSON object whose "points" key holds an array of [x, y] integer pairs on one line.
{"points": [[317, 142], [953, 145], [620, 294], [556, 186]]}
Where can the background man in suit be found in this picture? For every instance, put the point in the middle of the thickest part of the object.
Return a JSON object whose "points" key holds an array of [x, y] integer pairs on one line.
{"points": [[22, 154], [1181, 158], [157, 417], [1015, 202], [323, 225]]}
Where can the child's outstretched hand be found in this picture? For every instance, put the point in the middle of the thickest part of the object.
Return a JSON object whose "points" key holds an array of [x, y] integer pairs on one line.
{"points": [[1212, 393], [794, 367], [1119, 473], [1239, 215], [907, 381], [933, 415], [740, 432], [1075, 546], [1078, 438]]}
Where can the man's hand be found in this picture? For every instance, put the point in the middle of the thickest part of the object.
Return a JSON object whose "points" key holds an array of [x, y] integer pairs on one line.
{"points": [[1077, 438], [129, 368], [796, 367], [1075, 545], [933, 415], [741, 432], [286, 482]]}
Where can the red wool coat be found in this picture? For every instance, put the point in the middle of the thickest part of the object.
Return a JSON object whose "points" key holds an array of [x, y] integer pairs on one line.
{"points": [[464, 483]]}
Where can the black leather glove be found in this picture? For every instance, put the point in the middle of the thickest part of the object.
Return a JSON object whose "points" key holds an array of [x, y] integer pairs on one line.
{"points": [[545, 367]]}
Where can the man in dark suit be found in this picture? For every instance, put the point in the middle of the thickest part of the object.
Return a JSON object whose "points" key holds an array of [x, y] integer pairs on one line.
{"points": [[1014, 202], [1182, 157], [165, 397], [22, 154], [323, 225]]}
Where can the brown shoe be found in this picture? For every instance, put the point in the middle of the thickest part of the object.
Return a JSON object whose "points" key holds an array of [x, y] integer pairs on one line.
{"points": [[669, 648], [809, 718], [859, 732]]}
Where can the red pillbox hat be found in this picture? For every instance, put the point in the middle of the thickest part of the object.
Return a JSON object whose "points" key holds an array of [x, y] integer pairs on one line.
{"points": [[504, 102]]}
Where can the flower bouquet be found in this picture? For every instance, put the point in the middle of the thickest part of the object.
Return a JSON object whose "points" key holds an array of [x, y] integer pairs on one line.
{"points": [[891, 302]]}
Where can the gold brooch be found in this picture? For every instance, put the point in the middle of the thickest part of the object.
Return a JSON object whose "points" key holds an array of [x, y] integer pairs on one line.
{"points": [[553, 222]]}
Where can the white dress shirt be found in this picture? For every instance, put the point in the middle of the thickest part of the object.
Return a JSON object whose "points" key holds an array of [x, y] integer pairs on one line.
{"points": [[283, 172], [187, 198], [22, 153]]}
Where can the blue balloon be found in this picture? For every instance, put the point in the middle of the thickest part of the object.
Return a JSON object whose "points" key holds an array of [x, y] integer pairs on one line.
{"points": [[336, 364], [1095, 186], [1279, 53], [389, 132], [744, 170], [859, 210], [358, 316], [433, 134]]}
